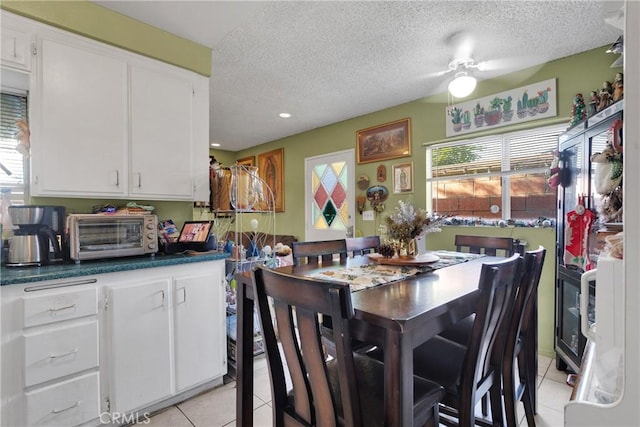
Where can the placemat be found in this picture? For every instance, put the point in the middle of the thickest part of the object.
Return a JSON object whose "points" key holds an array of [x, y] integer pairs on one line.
{"points": [[366, 276]]}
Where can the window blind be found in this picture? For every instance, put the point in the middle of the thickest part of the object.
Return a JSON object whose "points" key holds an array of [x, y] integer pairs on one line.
{"points": [[12, 173]]}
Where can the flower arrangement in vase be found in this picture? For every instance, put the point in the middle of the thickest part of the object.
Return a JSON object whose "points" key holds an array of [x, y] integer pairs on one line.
{"points": [[407, 222]]}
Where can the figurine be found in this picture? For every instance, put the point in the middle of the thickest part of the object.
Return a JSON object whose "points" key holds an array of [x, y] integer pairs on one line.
{"points": [[605, 95], [618, 87], [578, 113], [593, 102]]}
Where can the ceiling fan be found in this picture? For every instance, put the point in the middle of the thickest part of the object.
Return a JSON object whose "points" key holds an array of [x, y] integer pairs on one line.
{"points": [[465, 68]]}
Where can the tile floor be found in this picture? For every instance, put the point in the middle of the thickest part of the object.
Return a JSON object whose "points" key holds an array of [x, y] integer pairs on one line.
{"points": [[216, 408]]}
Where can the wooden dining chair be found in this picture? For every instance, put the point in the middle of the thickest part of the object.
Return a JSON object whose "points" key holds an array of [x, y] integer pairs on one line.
{"points": [[362, 245], [467, 372], [323, 250], [347, 390], [491, 246], [520, 343], [516, 343]]}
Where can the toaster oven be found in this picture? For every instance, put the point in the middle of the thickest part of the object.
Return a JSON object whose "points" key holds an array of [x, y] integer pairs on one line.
{"points": [[96, 236]]}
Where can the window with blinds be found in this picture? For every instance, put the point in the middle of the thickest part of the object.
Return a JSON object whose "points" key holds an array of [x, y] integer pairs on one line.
{"points": [[472, 178], [13, 106]]}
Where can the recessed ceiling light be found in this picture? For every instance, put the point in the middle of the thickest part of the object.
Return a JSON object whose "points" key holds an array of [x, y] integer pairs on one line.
{"points": [[215, 144], [285, 115]]}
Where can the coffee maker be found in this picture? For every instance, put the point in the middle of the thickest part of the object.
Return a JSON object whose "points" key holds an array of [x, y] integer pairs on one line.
{"points": [[37, 235]]}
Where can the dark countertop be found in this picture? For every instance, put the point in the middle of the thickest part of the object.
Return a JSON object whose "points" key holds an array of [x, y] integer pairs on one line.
{"points": [[19, 275]]}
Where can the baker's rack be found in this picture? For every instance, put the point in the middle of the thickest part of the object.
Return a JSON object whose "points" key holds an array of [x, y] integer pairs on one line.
{"points": [[242, 203]]}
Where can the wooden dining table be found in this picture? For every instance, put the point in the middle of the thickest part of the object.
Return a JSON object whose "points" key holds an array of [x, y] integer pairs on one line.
{"points": [[398, 316]]}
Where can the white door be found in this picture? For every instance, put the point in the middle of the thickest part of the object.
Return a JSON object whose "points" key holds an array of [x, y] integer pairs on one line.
{"points": [[140, 350], [329, 195], [199, 317]]}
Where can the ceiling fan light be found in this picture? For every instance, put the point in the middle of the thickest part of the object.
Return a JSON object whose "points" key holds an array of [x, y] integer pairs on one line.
{"points": [[462, 85]]}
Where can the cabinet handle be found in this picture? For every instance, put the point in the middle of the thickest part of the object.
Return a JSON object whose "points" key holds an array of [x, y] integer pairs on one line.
{"points": [[54, 310], [115, 178], [57, 356], [58, 411], [162, 292], [139, 180], [184, 294], [59, 285]]}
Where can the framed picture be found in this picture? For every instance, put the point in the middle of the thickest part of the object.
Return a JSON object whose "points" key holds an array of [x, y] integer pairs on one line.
{"points": [[403, 178], [247, 161], [384, 142], [270, 167]]}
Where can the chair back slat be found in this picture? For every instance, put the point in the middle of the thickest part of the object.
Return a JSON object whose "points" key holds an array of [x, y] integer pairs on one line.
{"points": [[515, 335], [298, 303], [490, 246], [533, 262], [313, 252], [510, 330], [362, 245]]}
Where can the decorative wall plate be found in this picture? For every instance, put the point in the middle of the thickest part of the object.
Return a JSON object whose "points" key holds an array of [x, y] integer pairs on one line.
{"points": [[377, 194]]}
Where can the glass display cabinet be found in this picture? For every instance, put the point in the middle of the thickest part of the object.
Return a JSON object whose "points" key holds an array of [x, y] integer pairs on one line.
{"points": [[577, 223]]}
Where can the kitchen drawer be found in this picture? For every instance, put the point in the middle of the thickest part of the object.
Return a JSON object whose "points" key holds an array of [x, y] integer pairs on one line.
{"points": [[67, 403], [54, 353], [55, 307]]}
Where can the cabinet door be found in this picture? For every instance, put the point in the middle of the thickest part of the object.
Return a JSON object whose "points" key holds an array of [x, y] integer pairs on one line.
{"points": [[140, 370], [79, 121], [161, 134], [16, 48], [200, 339]]}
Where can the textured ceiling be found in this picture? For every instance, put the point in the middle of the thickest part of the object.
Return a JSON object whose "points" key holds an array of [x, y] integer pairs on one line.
{"points": [[327, 61]]}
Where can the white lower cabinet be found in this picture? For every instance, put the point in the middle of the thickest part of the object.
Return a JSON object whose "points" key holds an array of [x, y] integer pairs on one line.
{"points": [[49, 355], [199, 331], [110, 347], [139, 329], [166, 335]]}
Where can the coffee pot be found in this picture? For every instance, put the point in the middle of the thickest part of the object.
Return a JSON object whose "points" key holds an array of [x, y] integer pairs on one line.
{"points": [[37, 235]]}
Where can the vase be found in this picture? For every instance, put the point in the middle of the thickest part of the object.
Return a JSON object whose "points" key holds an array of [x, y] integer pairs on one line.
{"points": [[407, 249]]}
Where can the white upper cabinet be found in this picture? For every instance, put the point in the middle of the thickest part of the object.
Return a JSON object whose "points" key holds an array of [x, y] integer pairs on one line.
{"points": [[79, 122], [161, 131], [16, 38], [109, 123]]}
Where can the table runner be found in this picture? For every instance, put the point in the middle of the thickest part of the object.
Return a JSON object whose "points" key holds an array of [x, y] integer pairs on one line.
{"points": [[369, 275]]}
